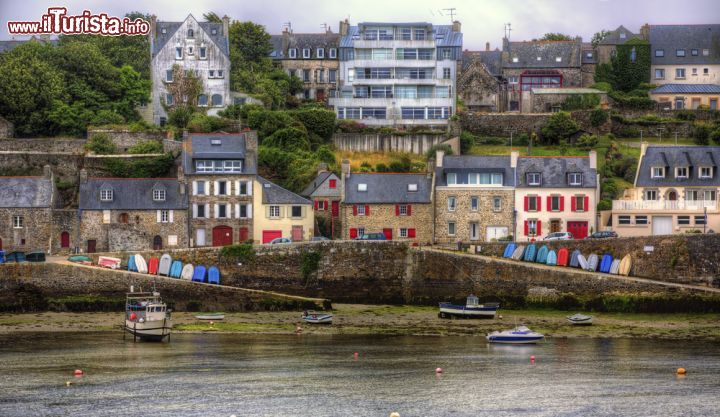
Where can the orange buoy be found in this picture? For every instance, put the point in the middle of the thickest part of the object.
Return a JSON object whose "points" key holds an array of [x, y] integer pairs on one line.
{"points": [[681, 371]]}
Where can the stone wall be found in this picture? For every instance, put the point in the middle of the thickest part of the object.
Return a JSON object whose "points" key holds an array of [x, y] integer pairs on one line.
{"points": [[383, 216], [497, 124], [485, 216], [6, 128], [46, 280], [36, 233], [45, 145], [96, 165], [124, 139], [64, 166], [65, 221], [375, 142]]}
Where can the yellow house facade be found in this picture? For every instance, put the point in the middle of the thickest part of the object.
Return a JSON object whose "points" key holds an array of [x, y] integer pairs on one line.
{"points": [[279, 213]]}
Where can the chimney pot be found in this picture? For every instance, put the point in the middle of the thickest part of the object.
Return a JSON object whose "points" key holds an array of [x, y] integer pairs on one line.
{"points": [[487, 46], [439, 155], [83, 176]]}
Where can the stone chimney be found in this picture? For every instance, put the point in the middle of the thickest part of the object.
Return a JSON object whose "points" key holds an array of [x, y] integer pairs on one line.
{"points": [[439, 155], [593, 159], [83, 176], [226, 26], [514, 155], [322, 167], [251, 140], [457, 27], [487, 46], [185, 134], [345, 168], [643, 148], [645, 32], [153, 27], [344, 27], [47, 172]]}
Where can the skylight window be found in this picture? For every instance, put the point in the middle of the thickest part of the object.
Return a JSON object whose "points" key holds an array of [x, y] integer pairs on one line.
{"points": [[362, 187]]}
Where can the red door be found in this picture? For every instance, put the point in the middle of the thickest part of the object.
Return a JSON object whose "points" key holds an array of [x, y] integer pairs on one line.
{"points": [[335, 208], [388, 234], [0, 243], [243, 234], [91, 246], [64, 240], [222, 236], [579, 230], [269, 235], [297, 233]]}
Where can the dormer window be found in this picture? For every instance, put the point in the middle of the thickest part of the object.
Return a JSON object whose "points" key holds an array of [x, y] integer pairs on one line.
{"points": [[681, 172], [320, 53], [575, 179], [106, 194], [362, 187], [306, 53], [412, 187], [680, 52], [191, 33], [158, 195], [215, 142], [622, 35], [533, 178], [558, 59], [333, 53], [213, 31], [657, 172], [706, 172], [515, 59], [451, 178], [292, 53]]}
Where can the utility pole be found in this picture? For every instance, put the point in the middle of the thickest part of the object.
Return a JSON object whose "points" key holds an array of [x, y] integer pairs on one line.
{"points": [[641, 131], [511, 130], [676, 138], [660, 132]]}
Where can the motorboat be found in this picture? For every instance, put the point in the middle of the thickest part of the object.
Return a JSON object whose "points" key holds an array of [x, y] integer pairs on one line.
{"points": [[518, 335], [471, 310], [147, 316], [314, 317], [580, 319]]}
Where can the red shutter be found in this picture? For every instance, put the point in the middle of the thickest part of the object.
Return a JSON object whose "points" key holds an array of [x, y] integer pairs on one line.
{"points": [[325, 204], [411, 232], [562, 203], [539, 228], [409, 213], [539, 203], [526, 224], [367, 210], [354, 209], [572, 204], [548, 201], [316, 205], [526, 206], [587, 202], [333, 183], [397, 209], [353, 233]]}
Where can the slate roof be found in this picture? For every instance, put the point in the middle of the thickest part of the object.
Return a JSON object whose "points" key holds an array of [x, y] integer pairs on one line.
{"points": [[171, 27], [275, 194], [301, 41], [132, 194], [614, 37], [687, 89], [315, 185], [528, 52], [443, 34], [463, 165], [554, 170], [672, 157], [491, 59], [12, 44], [232, 146], [670, 38], [26, 192], [569, 90], [589, 56], [387, 188]]}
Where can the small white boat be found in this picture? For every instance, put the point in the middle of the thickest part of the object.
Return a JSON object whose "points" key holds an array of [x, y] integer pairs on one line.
{"points": [[314, 317], [580, 319], [471, 310], [210, 316], [147, 316], [141, 265], [109, 262], [517, 336]]}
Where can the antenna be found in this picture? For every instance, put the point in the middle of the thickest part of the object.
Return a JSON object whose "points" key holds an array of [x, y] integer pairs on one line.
{"points": [[288, 26], [325, 27], [451, 10], [508, 29]]}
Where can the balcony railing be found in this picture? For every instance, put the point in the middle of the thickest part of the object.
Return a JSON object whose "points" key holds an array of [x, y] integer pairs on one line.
{"points": [[690, 205]]}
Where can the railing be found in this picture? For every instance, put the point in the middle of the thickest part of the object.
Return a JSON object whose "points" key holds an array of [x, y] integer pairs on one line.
{"points": [[664, 205]]}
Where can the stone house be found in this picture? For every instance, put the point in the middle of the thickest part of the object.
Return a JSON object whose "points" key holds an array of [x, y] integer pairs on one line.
{"points": [[6, 128], [546, 100], [675, 191], [312, 57], [680, 96], [325, 193], [480, 84], [220, 171], [608, 46], [474, 198], [26, 213], [200, 48], [555, 194], [397, 205], [281, 213], [132, 214]]}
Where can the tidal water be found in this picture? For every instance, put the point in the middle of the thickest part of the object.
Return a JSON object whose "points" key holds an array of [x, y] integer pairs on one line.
{"points": [[260, 375]]}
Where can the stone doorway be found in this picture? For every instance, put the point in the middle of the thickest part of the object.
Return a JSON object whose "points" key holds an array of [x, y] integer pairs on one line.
{"points": [[157, 243]]}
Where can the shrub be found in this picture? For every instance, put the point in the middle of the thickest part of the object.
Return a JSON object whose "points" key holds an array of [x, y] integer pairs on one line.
{"points": [[243, 253], [309, 264], [365, 167], [151, 167], [318, 121], [325, 154], [492, 141], [560, 126], [701, 133], [602, 86], [715, 136], [627, 132], [521, 140], [467, 141], [685, 115], [443, 147], [581, 102], [404, 164], [598, 117], [605, 204], [202, 123], [180, 116], [380, 167], [148, 146], [350, 126], [289, 138], [101, 144], [233, 111], [107, 117], [267, 122]]}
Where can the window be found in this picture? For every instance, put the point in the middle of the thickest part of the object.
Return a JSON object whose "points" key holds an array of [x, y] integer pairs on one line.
{"points": [[361, 231], [296, 211], [18, 222], [106, 194], [202, 100], [497, 203], [694, 71], [292, 53], [474, 203], [403, 232], [533, 178], [532, 203], [178, 53], [475, 178], [452, 203], [419, 34], [513, 79], [333, 184], [213, 31], [580, 203], [222, 211], [679, 72], [190, 33], [555, 203], [451, 228], [211, 73], [320, 53], [412, 187], [220, 73], [332, 75], [681, 172], [360, 210], [622, 35], [575, 178], [230, 165], [203, 52], [169, 99], [651, 195], [333, 53], [641, 220], [699, 219], [706, 71], [190, 50], [705, 172], [623, 219], [659, 53], [164, 216], [403, 209], [680, 52], [306, 53], [275, 211], [683, 220], [706, 52], [222, 188], [362, 187], [446, 54], [558, 59], [374, 112], [446, 73], [306, 75], [159, 195], [709, 195], [515, 59], [659, 73], [657, 172], [201, 211], [451, 178], [539, 58], [217, 100], [169, 76], [532, 227]]}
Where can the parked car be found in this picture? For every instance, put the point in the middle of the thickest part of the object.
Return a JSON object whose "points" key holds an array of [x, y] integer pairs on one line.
{"points": [[371, 236], [2, 256], [319, 239], [15, 257], [603, 235], [35, 256], [559, 236], [280, 241]]}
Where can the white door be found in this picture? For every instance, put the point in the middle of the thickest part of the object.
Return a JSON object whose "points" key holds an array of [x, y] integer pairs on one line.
{"points": [[662, 225], [474, 231], [495, 232], [200, 237]]}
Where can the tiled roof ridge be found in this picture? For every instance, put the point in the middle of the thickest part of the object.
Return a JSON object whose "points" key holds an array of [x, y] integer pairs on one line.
{"points": [[131, 179]]}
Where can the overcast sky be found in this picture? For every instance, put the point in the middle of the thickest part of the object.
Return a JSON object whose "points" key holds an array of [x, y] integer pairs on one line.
{"points": [[482, 20]]}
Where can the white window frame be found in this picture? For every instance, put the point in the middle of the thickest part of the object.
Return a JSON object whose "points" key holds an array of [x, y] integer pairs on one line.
{"points": [[451, 178], [575, 179], [361, 231], [532, 227], [682, 172], [403, 232], [178, 52], [306, 53], [164, 216], [536, 178], [227, 213], [18, 222], [708, 172], [554, 199], [403, 209], [641, 219], [320, 52], [580, 203], [292, 53], [532, 203], [333, 53], [412, 187], [683, 220], [202, 53], [651, 193], [361, 210], [624, 220], [452, 225], [497, 203], [159, 195], [452, 203], [106, 194], [474, 203], [362, 187], [657, 172]]}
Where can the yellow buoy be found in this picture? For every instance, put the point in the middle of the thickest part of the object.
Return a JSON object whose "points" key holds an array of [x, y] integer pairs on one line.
{"points": [[681, 371]]}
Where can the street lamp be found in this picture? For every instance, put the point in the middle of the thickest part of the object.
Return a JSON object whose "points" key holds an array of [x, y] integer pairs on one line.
{"points": [[511, 135]]}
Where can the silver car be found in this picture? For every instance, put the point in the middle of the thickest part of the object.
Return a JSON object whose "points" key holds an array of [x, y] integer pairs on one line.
{"points": [[559, 236], [280, 240]]}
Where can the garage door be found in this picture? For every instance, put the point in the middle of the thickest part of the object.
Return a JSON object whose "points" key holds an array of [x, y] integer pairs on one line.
{"points": [[269, 235], [222, 236], [495, 232], [662, 225], [579, 230]]}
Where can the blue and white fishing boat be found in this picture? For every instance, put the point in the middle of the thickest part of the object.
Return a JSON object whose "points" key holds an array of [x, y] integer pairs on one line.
{"points": [[518, 336], [471, 310], [314, 317]]}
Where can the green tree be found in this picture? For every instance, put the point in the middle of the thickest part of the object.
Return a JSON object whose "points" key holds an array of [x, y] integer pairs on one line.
{"points": [[560, 126], [599, 37], [212, 17], [551, 36]]}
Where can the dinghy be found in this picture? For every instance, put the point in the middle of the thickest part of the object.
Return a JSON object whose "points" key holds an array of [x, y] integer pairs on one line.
{"points": [[592, 262], [131, 263], [580, 319], [530, 252], [615, 267], [140, 264], [313, 317], [187, 272], [109, 262], [551, 258], [574, 261], [80, 259], [176, 269], [625, 265], [606, 263], [199, 274], [164, 267], [213, 275], [211, 316], [541, 257], [518, 252], [153, 264], [509, 249], [582, 262], [563, 257], [516, 336]]}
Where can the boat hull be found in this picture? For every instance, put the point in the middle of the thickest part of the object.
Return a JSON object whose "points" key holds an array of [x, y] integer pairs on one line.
{"points": [[580, 321], [481, 312], [210, 317], [514, 340], [153, 331], [318, 319]]}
